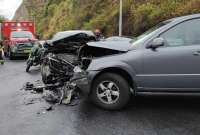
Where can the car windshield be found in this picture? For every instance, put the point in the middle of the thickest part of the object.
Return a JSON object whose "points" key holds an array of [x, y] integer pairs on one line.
{"points": [[21, 34], [148, 32]]}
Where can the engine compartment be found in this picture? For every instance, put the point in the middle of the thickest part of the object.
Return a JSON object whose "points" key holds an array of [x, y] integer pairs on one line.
{"points": [[66, 53]]}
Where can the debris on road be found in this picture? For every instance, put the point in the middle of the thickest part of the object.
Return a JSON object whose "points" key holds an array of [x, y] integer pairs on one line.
{"points": [[67, 99], [29, 103], [37, 86], [50, 108], [28, 86], [50, 97], [47, 109], [55, 94], [29, 100], [41, 112], [50, 93]]}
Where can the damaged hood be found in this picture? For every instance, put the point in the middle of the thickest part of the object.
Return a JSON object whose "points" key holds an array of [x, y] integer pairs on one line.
{"points": [[72, 36], [113, 45]]}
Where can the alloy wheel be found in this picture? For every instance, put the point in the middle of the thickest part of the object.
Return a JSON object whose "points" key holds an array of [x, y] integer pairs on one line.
{"points": [[108, 92]]}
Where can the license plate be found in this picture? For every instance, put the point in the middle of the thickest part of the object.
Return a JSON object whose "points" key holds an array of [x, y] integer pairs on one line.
{"points": [[27, 51]]}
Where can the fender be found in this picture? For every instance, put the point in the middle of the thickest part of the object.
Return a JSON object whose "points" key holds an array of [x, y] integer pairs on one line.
{"points": [[96, 65]]}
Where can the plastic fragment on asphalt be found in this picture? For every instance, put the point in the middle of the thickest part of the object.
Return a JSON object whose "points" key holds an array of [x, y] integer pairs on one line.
{"points": [[28, 86], [67, 100], [71, 96], [50, 108]]}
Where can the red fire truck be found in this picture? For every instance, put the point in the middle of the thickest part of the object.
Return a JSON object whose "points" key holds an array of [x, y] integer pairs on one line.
{"points": [[18, 37]]}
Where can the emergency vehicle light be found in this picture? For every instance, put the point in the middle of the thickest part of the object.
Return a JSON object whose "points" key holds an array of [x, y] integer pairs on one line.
{"points": [[18, 24], [19, 29]]}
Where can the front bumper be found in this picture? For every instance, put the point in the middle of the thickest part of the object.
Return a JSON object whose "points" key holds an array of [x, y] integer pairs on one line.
{"points": [[84, 81], [21, 53]]}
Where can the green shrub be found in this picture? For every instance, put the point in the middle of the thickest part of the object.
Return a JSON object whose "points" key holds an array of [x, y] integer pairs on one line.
{"points": [[138, 15]]}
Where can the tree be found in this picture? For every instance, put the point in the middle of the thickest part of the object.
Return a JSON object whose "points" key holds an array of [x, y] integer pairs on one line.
{"points": [[2, 18]]}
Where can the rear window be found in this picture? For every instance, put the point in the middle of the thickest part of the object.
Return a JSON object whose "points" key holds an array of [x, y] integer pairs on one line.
{"points": [[21, 34]]}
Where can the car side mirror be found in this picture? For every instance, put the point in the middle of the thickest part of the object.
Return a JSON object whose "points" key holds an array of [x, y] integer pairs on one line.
{"points": [[157, 42]]}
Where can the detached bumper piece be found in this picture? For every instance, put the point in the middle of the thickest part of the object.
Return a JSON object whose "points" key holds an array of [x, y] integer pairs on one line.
{"points": [[82, 82]]}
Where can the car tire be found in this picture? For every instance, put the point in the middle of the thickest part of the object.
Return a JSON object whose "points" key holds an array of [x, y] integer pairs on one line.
{"points": [[115, 87], [28, 67], [44, 78], [45, 72]]}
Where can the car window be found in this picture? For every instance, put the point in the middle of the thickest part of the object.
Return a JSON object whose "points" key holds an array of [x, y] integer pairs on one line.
{"points": [[186, 33], [137, 41]]}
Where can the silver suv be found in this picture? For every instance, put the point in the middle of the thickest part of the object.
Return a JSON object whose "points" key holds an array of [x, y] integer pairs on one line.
{"points": [[163, 60]]}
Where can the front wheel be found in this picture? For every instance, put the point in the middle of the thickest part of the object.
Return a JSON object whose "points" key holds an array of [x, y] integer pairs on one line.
{"points": [[10, 54], [46, 73], [110, 91]]}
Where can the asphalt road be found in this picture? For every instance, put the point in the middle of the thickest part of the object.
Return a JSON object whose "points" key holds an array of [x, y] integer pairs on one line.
{"points": [[143, 116]]}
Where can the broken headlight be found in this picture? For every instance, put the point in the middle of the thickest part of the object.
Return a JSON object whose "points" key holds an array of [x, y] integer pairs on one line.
{"points": [[77, 69]]}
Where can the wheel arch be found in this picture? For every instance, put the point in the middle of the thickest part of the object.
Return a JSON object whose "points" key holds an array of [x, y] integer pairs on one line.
{"points": [[118, 71]]}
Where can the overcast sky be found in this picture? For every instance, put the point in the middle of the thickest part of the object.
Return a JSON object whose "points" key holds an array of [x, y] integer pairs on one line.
{"points": [[8, 7]]}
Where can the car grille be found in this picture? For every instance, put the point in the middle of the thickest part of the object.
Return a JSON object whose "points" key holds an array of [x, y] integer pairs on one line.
{"points": [[24, 46]]}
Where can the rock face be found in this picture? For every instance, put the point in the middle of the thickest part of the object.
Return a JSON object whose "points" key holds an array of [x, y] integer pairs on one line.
{"points": [[30, 10], [22, 13]]}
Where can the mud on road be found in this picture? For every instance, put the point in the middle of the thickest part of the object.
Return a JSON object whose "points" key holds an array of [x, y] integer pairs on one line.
{"points": [[144, 116]]}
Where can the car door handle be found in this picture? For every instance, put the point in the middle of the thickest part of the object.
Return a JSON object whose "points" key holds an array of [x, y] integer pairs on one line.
{"points": [[197, 53]]}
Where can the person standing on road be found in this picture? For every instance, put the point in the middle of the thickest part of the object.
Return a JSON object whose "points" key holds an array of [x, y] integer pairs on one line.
{"points": [[1, 53], [98, 34]]}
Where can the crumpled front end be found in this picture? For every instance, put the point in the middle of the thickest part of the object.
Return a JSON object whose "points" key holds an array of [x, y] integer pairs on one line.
{"points": [[78, 45], [83, 79]]}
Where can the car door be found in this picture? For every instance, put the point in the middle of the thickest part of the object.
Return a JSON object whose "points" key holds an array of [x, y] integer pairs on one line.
{"points": [[176, 65]]}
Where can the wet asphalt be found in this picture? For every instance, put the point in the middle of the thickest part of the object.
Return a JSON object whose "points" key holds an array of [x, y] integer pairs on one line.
{"points": [[24, 113]]}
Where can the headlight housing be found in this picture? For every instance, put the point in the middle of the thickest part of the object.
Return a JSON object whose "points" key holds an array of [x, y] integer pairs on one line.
{"points": [[14, 48]]}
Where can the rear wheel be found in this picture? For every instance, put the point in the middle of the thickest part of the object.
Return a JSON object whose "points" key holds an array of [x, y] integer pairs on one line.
{"points": [[110, 91]]}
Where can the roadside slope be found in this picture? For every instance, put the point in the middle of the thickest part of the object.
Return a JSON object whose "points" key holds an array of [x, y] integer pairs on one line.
{"points": [[58, 15]]}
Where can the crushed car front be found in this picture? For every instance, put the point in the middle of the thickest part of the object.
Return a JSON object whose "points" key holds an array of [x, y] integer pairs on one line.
{"points": [[104, 54], [122, 55]]}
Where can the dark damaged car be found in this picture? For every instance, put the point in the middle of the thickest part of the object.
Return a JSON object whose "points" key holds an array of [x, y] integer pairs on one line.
{"points": [[163, 60], [70, 49]]}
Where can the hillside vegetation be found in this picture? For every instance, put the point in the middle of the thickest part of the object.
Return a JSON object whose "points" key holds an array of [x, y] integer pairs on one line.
{"points": [[138, 15], [2, 18]]}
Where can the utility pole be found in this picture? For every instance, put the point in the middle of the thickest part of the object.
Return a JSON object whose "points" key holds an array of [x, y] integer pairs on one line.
{"points": [[120, 18]]}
